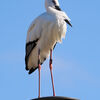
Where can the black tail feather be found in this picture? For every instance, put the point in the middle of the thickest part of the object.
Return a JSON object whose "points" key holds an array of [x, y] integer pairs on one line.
{"points": [[32, 70]]}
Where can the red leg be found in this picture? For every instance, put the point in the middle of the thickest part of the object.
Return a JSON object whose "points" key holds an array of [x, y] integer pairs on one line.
{"points": [[39, 69], [50, 65]]}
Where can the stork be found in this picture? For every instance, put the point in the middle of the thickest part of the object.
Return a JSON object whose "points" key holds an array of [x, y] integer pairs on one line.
{"points": [[43, 34]]}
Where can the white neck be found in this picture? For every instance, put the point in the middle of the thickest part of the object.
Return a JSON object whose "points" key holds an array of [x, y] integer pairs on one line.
{"points": [[52, 10], [51, 4]]}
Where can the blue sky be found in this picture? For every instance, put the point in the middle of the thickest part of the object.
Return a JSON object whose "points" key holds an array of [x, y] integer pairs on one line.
{"points": [[76, 65]]}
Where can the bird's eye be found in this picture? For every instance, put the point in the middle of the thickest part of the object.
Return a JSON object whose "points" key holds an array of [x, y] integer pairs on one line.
{"points": [[54, 2]]}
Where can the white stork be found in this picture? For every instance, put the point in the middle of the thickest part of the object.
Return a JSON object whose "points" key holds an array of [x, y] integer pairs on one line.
{"points": [[43, 34]]}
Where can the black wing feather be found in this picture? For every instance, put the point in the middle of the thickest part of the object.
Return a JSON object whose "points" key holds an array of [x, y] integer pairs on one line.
{"points": [[29, 47]]}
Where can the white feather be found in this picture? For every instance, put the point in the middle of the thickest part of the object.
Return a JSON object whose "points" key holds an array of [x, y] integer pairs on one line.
{"points": [[50, 28]]}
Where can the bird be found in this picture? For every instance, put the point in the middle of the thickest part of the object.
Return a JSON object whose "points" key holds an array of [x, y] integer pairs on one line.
{"points": [[43, 34]]}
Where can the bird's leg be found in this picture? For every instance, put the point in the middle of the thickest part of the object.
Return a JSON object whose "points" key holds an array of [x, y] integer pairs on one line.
{"points": [[50, 65], [39, 69]]}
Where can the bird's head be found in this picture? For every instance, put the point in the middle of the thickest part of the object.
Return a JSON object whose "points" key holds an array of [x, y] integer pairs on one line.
{"points": [[52, 3], [56, 8]]}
